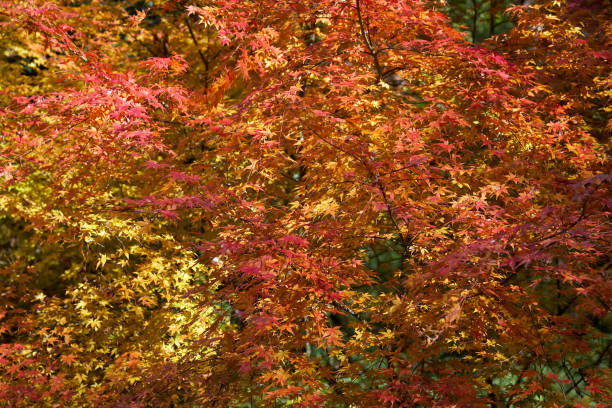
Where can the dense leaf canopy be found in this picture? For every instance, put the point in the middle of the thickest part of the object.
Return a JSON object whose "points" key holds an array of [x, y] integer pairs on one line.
{"points": [[330, 203]]}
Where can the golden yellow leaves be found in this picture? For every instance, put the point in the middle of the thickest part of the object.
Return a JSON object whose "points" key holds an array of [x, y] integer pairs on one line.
{"points": [[94, 324], [101, 261], [328, 206]]}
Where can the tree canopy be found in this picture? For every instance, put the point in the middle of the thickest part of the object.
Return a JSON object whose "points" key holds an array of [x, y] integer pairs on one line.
{"points": [[330, 203]]}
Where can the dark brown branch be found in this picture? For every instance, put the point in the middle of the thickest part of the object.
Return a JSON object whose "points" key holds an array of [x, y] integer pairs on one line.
{"points": [[595, 364], [378, 183], [569, 227], [202, 57], [368, 43]]}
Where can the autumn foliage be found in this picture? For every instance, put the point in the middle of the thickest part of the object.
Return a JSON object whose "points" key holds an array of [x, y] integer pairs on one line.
{"points": [[232, 203]]}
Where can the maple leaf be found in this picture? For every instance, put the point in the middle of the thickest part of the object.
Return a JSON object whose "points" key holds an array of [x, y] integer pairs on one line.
{"points": [[315, 203], [68, 359]]}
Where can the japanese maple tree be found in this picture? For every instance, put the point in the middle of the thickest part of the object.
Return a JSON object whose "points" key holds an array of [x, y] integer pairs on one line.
{"points": [[231, 203]]}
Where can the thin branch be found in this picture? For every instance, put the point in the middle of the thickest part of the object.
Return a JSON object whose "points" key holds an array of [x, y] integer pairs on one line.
{"points": [[378, 183], [569, 227], [368, 42], [569, 375], [595, 364], [202, 57]]}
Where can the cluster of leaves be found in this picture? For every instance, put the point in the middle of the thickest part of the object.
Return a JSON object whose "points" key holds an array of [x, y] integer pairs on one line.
{"points": [[230, 203]]}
